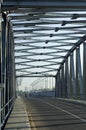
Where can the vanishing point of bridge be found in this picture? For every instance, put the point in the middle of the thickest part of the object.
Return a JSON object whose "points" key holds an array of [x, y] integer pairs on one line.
{"points": [[43, 38]]}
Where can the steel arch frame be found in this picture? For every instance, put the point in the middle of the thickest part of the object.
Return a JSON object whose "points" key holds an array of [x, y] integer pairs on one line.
{"points": [[74, 86]]}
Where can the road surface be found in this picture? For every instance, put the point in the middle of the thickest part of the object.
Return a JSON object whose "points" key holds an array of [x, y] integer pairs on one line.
{"points": [[55, 114]]}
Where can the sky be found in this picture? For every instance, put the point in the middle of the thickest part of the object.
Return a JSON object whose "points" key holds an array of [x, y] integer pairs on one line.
{"points": [[36, 83]]}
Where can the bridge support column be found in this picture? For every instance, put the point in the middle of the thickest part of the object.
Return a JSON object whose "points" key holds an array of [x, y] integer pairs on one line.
{"points": [[84, 69], [72, 76]]}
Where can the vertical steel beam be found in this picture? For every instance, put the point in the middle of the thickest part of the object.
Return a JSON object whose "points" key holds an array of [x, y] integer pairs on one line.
{"points": [[7, 73], [71, 89], [3, 65], [59, 81], [84, 69], [0, 107], [0, 68], [62, 82], [72, 76], [66, 81], [66, 74], [56, 87], [12, 65], [9, 67], [79, 81], [3, 46]]}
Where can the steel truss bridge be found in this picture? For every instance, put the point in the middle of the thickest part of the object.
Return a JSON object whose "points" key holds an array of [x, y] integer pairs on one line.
{"points": [[42, 38]]}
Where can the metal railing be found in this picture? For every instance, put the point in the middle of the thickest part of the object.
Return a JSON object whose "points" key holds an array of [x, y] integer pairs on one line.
{"points": [[5, 109]]}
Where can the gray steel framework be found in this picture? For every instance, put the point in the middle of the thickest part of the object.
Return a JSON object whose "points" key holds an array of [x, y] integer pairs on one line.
{"points": [[7, 78], [42, 39]]}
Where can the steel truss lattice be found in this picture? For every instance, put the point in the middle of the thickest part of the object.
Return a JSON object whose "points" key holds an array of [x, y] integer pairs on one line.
{"points": [[45, 34], [44, 38]]}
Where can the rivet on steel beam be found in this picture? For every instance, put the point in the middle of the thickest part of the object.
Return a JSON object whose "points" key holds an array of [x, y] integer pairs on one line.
{"points": [[46, 41], [75, 16], [51, 35], [41, 53], [56, 29], [64, 23]]}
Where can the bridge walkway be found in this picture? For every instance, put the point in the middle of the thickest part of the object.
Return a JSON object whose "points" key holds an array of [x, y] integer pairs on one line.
{"points": [[18, 119]]}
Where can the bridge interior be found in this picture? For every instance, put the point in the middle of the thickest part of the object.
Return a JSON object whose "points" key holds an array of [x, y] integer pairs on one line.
{"points": [[42, 39]]}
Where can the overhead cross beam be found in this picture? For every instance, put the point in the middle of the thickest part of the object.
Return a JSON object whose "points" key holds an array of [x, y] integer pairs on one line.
{"points": [[13, 4], [45, 32]]}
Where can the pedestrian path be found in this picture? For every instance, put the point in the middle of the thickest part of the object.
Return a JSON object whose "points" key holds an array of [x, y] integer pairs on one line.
{"points": [[18, 119]]}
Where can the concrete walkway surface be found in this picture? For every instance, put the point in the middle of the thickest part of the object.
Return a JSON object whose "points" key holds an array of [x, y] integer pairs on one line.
{"points": [[18, 119]]}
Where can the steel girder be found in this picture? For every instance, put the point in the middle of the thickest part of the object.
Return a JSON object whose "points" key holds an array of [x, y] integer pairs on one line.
{"points": [[46, 34], [13, 4], [45, 38], [7, 72]]}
